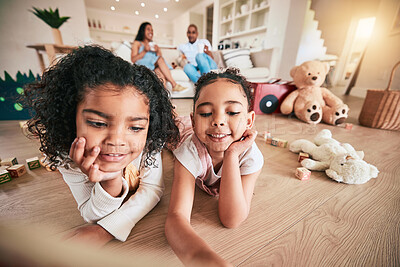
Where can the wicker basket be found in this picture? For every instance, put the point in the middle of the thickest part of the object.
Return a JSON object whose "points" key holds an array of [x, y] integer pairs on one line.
{"points": [[381, 108]]}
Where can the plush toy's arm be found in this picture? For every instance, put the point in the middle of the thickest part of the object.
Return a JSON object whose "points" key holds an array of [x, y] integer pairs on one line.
{"points": [[334, 175], [373, 170], [350, 149], [288, 103], [315, 165], [330, 99], [302, 145]]}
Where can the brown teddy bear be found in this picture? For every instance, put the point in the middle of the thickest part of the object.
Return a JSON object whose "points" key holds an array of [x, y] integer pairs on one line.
{"points": [[310, 102]]}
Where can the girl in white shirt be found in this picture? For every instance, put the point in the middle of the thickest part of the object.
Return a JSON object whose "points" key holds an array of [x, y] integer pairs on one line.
{"points": [[103, 122], [220, 156]]}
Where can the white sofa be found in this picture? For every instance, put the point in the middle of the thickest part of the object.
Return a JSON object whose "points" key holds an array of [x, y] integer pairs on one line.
{"points": [[260, 72]]}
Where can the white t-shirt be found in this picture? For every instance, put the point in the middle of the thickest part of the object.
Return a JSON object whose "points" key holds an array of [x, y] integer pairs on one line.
{"points": [[250, 161], [191, 50], [97, 206]]}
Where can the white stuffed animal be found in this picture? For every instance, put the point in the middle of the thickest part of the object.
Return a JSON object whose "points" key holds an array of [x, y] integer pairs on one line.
{"points": [[341, 162]]}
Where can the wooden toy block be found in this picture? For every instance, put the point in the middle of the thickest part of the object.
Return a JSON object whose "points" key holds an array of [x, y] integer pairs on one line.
{"points": [[303, 174], [267, 137], [274, 141], [348, 126], [268, 140], [17, 170], [302, 156], [4, 176], [282, 143], [9, 162], [33, 163]]}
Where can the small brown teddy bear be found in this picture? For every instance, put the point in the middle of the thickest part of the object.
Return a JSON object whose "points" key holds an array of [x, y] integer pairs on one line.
{"points": [[310, 102]]}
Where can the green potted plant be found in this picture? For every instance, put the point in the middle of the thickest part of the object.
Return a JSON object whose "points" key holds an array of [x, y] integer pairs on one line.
{"points": [[53, 19]]}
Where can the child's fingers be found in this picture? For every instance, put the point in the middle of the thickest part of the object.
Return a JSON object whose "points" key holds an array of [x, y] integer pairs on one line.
{"points": [[94, 175], [72, 149], [251, 134], [89, 159], [78, 150]]}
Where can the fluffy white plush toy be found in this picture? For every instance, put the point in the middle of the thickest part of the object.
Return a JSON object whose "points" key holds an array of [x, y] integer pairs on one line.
{"points": [[341, 162]]}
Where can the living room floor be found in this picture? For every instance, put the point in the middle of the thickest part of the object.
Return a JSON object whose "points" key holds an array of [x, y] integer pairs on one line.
{"points": [[291, 223]]}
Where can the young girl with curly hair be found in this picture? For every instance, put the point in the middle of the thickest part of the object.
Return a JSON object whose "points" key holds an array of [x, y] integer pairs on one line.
{"points": [[219, 155], [103, 122]]}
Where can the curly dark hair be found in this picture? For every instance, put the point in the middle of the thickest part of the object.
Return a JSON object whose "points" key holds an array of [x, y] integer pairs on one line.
{"points": [[55, 97], [140, 33], [231, 74]]}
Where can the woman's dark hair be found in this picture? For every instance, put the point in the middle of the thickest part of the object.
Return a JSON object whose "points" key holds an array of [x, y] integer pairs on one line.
{"points": [[232, 75], [140, 33], [55, 97]]}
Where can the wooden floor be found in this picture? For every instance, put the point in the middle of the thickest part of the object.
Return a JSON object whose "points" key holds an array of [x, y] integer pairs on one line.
{"points": [[292, 223]]}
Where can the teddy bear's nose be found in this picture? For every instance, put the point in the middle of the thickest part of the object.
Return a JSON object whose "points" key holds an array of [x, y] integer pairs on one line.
{"points": [[314, 78]]}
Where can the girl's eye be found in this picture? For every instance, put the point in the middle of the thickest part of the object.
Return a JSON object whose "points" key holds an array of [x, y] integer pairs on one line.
{"points": [[136, 129], [96, 124], [231, 113], [205, 114]]}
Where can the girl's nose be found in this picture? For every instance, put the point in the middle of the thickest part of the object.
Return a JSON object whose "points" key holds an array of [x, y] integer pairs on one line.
{"points": [[218, 121], [116, 138]]}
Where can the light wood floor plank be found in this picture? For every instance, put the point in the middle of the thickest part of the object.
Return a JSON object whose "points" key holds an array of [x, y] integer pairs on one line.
{"points": [[315, 222]]}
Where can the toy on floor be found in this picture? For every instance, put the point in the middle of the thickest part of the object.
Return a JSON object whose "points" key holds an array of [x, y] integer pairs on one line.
{"points": [[33, 163], [310, 102], [17, 170], [4, 176], [302, 174], [302, 156], [9, 162], [348, 126], [341, 162], [274, 141]]}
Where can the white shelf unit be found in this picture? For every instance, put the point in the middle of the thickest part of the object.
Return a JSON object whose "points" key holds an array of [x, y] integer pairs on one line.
{"points": [[238, 21]]}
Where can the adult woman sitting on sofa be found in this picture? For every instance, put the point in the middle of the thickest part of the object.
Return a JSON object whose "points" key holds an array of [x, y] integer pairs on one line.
{"points": [[145, 52]]}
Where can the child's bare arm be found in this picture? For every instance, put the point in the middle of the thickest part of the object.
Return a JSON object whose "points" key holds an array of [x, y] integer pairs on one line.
{"points": [[236, 191], [92, 234], [187, 245], [135, 55]]}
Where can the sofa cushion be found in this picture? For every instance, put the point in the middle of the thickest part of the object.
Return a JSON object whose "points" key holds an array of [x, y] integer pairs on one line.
{"points": [[179, 75], [253, 73], [123, 50], [239, 58]]}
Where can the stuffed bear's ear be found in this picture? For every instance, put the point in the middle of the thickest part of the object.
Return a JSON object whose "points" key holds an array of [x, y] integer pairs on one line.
{"points": [[374, 171], [293, 71], [360, 154]]}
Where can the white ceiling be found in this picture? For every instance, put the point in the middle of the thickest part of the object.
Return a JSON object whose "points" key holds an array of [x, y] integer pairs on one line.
{"points": [[151, 8]]}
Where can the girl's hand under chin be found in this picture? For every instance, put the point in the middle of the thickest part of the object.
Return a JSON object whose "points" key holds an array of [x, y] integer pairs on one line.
{"points": [[86, 163], [246, 141]]}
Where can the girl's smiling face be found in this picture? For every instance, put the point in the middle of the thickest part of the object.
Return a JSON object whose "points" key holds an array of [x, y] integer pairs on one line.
{"points": [[148, 32], [221, 115], [116, 121]]}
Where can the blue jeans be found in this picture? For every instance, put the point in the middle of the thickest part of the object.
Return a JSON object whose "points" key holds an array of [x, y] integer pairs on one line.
{"points": [[204, 64]]}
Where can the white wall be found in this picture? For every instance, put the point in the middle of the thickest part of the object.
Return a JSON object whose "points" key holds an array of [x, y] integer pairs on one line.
{"points": [[181, 23], [285, 24], [382, 53], [19, 27], [115, 22]]}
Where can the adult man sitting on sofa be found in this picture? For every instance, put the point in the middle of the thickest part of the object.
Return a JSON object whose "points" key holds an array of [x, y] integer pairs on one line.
{"points": [[198, 55]]}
